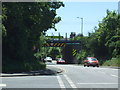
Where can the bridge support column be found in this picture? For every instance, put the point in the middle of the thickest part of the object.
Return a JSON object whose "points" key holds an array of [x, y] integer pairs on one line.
{"points": [[67, 54]]}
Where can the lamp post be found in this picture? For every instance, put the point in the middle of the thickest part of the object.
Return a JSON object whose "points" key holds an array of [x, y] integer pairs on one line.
{"points": [[81, 29], [81, 25], [119, 7]]}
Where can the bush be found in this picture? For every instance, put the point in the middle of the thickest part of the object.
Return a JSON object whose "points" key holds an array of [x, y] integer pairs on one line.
{"points": [[37, 65], [81, 56], [13, 67], [112, 62]]}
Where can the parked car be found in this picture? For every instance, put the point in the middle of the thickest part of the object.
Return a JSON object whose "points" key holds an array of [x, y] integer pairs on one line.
{"points": [[91, 61], [48, 59], [60, 61]]}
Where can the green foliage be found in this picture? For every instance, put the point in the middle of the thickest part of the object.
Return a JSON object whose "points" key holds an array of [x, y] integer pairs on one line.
{"points": [[14, 67], [41, 50], [112, 62], [104, 43], [54, 52], [23, 24], [104, 40], [81, 56], [37, 65], [10, 67], [59, 56]]}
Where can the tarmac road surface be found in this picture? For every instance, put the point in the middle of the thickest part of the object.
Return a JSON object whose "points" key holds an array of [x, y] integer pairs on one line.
{"points": [[73, 76]]}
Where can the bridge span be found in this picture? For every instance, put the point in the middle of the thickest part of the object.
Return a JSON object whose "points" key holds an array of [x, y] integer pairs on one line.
{"points": [[69, 48]]}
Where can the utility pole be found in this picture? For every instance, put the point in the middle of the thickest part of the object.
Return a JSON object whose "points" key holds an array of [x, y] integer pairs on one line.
{"points": [[59, 35], [119, 7], [82, 26], [81, 29], [66, 36]]}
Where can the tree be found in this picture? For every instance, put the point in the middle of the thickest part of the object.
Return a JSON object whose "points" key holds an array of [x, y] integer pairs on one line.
{"points": [[23, 24], [104, 42], [54, 52]]}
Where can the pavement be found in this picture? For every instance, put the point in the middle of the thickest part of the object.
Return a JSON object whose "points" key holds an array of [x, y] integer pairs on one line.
{"points": [[50, 70]]}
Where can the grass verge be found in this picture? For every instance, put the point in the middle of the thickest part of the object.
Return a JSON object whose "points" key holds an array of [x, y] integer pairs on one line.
{"points": [[112, 62]]}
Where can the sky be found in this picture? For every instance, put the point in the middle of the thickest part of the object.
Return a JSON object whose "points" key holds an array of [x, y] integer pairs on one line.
{"points": [[91, 12]]}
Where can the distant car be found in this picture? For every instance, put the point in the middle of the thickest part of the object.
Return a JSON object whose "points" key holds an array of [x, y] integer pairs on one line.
{"points": [[91, 61], [48, 59], [60, 61]]}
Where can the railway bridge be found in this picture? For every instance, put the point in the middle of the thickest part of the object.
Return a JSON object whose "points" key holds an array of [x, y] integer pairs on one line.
{"points": [[69, 48]]}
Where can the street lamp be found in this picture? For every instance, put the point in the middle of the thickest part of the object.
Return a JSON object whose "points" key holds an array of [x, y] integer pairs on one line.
{"points": [[119, 7], [81, 25]]}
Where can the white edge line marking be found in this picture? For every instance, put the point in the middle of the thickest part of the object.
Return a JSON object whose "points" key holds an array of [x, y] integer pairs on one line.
{"points": [[2, 85], [97, 83], [60, 82], [70, 81]]}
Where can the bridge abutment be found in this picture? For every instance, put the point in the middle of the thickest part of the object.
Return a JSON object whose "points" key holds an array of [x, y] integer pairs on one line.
{"points": [[68, 55]]}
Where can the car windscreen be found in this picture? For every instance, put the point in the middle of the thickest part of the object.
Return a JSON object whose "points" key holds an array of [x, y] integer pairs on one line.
{"points": [[93, 59], [61, 60], [48, 58]]}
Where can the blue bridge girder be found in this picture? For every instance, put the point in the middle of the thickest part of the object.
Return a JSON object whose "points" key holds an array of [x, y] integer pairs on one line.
{"points": [[63, 41]]}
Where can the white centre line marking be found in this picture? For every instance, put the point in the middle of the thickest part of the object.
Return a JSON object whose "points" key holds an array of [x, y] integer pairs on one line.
{"points": [[70, 81], [2, 85], [61, 82]]}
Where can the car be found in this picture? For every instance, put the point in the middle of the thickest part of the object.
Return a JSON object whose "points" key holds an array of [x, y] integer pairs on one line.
{"points": [[91, 61], [48, 59], [60, 61]]}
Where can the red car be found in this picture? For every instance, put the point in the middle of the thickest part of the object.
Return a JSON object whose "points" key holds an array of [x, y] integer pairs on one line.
{"points": [[91, 61], [60, 61]]}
